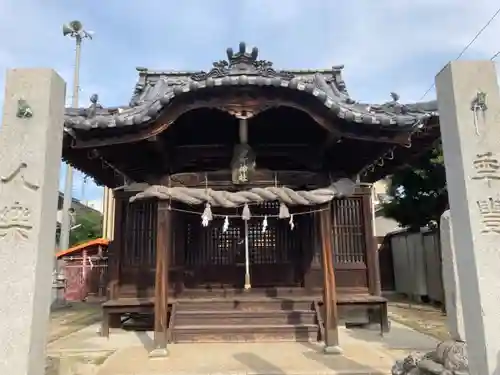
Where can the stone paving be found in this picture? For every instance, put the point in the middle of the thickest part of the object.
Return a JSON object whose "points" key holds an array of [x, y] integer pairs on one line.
{"points": [[65, 320], [75, 348], [365, 352]]}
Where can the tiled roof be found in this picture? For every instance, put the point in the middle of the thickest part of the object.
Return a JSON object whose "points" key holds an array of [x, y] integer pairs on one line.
{"points": [[156, 90]]}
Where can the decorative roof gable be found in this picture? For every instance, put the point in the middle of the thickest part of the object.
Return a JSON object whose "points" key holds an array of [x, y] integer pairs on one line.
{"points": [[241, 63]]}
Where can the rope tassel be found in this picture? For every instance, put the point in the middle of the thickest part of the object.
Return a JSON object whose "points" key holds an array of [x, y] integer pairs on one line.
{"points": [[206, 216], [284, 212], [264, 224], [245, 215]]}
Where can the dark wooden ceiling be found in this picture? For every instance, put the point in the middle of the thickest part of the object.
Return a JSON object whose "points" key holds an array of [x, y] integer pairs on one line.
{"points": [[283, 138]]}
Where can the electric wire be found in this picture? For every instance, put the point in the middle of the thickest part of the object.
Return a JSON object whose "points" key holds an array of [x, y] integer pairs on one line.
{"points": [[193, 212], [466, 48]]}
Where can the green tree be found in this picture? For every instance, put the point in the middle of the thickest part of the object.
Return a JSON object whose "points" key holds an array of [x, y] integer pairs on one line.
{"points": [[417, 192], [88, 226]]}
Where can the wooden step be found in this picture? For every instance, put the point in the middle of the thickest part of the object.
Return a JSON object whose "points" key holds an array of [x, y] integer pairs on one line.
{"points": [[245, 304], [245, 333], [244, 317]]}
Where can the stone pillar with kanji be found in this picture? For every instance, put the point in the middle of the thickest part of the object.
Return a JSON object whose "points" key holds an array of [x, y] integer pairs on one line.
{"points": [[30, 158], [469, 113]]}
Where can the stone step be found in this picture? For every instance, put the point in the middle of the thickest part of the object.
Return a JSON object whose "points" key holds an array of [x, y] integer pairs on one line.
{"points": [[244, 317], [245, 304], [245, 333]]}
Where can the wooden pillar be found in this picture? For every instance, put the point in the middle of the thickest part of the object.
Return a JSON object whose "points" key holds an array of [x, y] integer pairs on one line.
{"points": [[329, 289], [115, 249], [163, 250], [372, 262]]}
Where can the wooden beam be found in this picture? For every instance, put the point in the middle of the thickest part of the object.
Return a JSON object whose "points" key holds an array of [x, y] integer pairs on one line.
{"points": [[163, 250], [305, 156], [329, 288], [222, 179]]}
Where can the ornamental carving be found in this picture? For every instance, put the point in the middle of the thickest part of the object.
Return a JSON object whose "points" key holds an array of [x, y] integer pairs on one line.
{"points": [[241, 63], [24, 110], [479, 106]]}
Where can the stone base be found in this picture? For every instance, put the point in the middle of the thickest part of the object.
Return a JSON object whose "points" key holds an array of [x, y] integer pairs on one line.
{"points": [[333, 349], [450, 357], [158, 353]]}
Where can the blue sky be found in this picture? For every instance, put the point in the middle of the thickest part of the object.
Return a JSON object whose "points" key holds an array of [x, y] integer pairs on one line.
{"points": [[385, 45]]}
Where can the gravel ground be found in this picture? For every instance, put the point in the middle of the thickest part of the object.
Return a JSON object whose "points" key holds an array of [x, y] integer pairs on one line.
{"points": [[71, 318], [424, 318]]}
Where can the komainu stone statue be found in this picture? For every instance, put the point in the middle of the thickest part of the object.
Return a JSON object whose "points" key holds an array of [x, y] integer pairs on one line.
{"points": [[449, 358]]}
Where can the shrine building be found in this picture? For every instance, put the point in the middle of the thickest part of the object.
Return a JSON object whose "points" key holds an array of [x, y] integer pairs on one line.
{"points": [[243, 199]]}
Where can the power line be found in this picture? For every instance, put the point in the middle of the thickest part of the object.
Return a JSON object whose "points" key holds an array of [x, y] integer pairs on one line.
{"points": [[495, 56], [473, 40]]}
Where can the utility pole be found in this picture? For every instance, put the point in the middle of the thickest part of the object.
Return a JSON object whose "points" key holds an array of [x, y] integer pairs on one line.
{"points": [[84, 185], [75, 30]]}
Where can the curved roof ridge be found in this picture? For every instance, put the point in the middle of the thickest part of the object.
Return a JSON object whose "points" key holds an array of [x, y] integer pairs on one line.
{"points": [[176, 72]]}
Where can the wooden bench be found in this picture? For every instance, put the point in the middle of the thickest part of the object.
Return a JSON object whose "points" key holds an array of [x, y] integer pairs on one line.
{"points": [[113, 310], [370, 302]]}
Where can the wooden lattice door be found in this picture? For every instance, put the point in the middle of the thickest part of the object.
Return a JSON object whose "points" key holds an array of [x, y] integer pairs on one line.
{"points": [[213, 255], [216, 258], [274, 253]]}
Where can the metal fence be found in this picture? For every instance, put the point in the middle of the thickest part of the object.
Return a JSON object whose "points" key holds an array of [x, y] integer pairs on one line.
{"points": [[85, 278], [417, 264]]}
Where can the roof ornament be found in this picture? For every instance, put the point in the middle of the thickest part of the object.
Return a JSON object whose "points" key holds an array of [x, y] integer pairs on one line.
{"points": [[338, 81], [91, 111], [329, 85], [393, 106], [241, 63]]}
